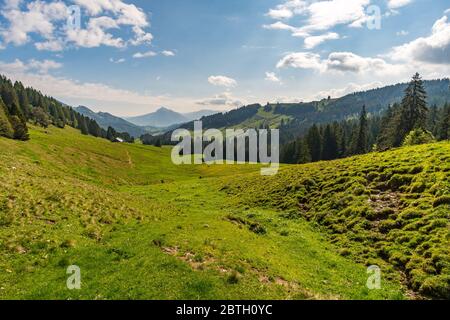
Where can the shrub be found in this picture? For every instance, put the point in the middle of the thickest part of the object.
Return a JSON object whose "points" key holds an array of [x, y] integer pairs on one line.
{"points": [[233, 278], [20, 129], [257, 228], [417, 137]]}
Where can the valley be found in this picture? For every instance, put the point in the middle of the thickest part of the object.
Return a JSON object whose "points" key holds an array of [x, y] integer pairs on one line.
{"points": [[147, 229]]}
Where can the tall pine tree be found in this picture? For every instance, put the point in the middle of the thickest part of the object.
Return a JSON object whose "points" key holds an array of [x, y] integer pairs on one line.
{"points": [[413, 111], [362, 137], [444, 125], [314, 140], [330, 145]]}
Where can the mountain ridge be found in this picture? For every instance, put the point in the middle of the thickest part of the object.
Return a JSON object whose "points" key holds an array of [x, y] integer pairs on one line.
{"points": [[164, 117], [105, 120], [325, 110]]}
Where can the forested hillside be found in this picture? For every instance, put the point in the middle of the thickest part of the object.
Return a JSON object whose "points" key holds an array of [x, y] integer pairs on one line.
{"points": [[20, 105], [327, 110], [295, 119], [412, 121], [106, 120]]}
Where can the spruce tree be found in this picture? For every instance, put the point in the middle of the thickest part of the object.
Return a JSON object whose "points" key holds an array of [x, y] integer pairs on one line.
{"points": [[414, 110], [389, 124], [330, 145], [444, 125], [314, 141], [303, 154], [20, 128], [111, 134], [433, 119], [82, 125], [6, 129], [362, 138]]}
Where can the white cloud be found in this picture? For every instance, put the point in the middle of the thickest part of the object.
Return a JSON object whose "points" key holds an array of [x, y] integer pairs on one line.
{"points": [[43, 66], [319, 16], [402, 33], [147, 54], [323, 15], [434, 49], [47, 20], [12, 4], [38, 18], [222, 81], [51, 45], [348, 61], [302, 60], [280, 26], [282, 13], [395, 4], [314, 41], [35, 66], [345, 62], [118, 61], [221, 100], [95, 34], [272, 77], [127, 14], [141, 37], [288, 9], [350, 88], [168, 53]]}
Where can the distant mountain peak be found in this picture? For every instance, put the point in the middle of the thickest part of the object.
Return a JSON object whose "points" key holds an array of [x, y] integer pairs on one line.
{"points": [[165, 117]]}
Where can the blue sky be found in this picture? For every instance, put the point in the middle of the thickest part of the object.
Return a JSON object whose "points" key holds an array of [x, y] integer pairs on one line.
{"points": [[130, 57]]}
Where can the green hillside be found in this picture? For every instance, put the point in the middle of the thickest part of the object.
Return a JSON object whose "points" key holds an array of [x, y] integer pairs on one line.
{"points": [[324, 111], [142, 228], [388, 209]]}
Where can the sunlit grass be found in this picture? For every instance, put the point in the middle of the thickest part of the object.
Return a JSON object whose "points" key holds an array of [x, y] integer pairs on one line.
{"points": [[140, 227]]}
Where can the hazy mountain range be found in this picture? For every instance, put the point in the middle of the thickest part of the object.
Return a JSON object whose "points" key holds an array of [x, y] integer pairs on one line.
{"points": [[164, 117], [154, 123]]}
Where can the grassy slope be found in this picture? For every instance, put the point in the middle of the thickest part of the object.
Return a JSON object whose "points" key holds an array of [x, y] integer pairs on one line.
{"points": [[389, 209], [262, 117], [140, 227]]}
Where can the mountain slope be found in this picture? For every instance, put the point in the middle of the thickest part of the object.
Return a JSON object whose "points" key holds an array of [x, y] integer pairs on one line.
{"points": [[106, 120], [140, 227], [386, 209], [324, 111], [163, 117], [196, 115]]}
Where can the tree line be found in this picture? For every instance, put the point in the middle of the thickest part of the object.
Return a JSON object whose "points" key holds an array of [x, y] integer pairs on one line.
{"points": [[20, 105], [406, 123]]}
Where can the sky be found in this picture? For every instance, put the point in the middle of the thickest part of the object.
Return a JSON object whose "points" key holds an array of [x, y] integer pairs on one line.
{"points": [[131, 57]]}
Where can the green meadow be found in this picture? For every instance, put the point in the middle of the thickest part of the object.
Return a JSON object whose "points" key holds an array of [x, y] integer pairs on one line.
{"points": [[140, 227]]}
